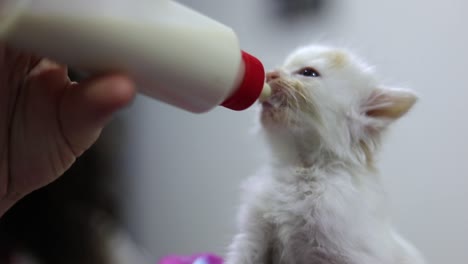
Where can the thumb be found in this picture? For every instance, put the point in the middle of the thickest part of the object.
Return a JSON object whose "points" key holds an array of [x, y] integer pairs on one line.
{"points": [[87, 107]]}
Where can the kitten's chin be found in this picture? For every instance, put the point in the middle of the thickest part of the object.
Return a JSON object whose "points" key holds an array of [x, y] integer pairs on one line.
{"points": [[274, 115]]}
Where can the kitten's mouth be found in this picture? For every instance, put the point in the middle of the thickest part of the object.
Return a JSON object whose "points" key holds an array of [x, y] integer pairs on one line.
{"points": [[278, 98], [276, 108], [270, 105], [267, 105]]}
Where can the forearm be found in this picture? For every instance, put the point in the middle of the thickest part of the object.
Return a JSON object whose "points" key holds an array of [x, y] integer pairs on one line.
{"points": [[251, 244]]}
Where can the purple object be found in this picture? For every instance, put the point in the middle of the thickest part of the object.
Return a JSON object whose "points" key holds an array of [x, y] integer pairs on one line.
{"points": [[205, 258]]}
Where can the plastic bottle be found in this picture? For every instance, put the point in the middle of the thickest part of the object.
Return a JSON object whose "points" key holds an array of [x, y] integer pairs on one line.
{"points": [[173, 53]]}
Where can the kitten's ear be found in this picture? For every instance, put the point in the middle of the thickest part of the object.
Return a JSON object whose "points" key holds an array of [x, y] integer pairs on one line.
{"points": [[388, 104]]}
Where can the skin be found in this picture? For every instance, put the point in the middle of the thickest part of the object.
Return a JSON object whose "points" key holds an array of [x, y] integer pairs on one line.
{"points": [[47, 121]]}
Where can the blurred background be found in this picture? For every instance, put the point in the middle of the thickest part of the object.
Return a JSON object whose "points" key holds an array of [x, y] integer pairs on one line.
{"points": [[171, 178], [183, 170]]}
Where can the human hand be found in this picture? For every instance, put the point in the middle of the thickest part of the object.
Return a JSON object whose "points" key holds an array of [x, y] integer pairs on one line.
{"points": [[47, 121]]}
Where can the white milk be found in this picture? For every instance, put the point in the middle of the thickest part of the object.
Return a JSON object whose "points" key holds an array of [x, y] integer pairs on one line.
{"points": [[174, 54]]}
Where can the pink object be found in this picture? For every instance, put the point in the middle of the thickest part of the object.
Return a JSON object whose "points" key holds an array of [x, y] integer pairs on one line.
{"points": [[205, 258]]}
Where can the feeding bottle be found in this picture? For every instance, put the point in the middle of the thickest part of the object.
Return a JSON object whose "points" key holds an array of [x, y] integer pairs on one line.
{"points": [[173, 53]]}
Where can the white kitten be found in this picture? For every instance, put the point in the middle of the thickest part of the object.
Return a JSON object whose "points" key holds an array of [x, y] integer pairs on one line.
{"points": [[321, 200]]}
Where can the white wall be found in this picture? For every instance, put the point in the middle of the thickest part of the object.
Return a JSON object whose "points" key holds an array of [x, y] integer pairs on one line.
{"points": [[184, 170]]}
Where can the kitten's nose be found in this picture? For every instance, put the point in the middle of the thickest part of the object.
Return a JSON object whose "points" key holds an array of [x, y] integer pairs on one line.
{"points": [[272, 75]]}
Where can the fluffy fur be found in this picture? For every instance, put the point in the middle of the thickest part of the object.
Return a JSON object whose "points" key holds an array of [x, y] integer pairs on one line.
{"points": [[321, 200]]}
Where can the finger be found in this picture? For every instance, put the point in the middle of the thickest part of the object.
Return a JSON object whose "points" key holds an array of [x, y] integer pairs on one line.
{"points": [[44, 66], [87, 107], [50, 76]]}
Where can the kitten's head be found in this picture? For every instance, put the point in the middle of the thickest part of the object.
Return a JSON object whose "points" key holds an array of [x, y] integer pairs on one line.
{"points": [[326, 99]]}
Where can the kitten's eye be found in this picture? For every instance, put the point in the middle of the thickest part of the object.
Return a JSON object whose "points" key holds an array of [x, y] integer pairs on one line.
{"points": [[308, 72]]}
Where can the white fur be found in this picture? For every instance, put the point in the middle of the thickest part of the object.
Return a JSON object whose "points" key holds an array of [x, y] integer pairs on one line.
{"points": [[320, 200]]}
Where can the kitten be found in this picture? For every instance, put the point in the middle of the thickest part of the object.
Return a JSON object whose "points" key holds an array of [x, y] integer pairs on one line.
{"points": [[321, 200]]}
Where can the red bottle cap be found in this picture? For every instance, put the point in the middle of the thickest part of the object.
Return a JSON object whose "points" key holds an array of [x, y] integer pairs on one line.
{"points": [[250, 87]]}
